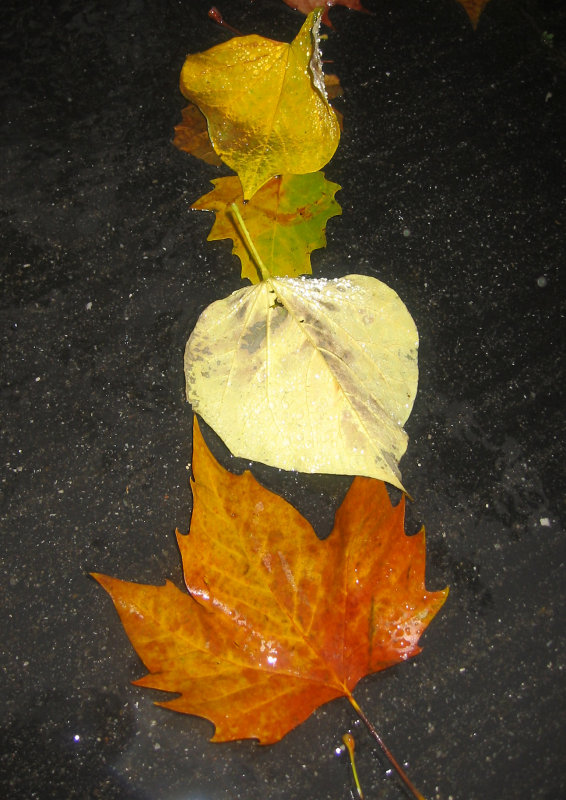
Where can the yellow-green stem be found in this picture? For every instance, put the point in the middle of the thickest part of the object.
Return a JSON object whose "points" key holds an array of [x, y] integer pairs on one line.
{"points": [[390, 757], [350, 745], [262, 269]]}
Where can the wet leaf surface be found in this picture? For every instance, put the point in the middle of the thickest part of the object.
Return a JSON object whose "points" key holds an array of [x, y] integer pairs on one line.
{"points": [[191, 134], [310, 375], [265, 104], [276, 621], [286, 220]]}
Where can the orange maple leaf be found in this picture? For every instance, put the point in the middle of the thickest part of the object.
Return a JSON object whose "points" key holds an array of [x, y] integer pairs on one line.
{"points": [[276, 621]]}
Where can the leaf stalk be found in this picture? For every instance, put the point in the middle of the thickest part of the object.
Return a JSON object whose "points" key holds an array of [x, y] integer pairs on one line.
{"points": [[350, 745], [387, 752], [264, 273]]}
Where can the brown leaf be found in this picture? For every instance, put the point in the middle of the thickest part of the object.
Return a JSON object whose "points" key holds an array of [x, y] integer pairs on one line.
{"points": [[333, 86], [277, 622], [191, 135]]}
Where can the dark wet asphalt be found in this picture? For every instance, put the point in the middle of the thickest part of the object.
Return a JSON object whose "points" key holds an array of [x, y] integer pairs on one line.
{"points": [[453, 192]]}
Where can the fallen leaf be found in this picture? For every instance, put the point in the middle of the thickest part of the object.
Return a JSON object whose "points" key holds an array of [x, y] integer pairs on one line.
{"points": [[473, 9], [276, 621], [191, 135], [309, 375], [265, 104], [286, 219], [306, 6]]}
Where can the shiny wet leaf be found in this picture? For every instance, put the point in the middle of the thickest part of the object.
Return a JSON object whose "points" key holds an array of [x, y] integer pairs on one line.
{"points": [[308, 375], [275, 621], [286, 220], [265, 104]]}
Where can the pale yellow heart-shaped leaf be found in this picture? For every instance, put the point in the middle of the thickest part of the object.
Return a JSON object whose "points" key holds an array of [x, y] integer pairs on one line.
{"points": [[308, 375]]}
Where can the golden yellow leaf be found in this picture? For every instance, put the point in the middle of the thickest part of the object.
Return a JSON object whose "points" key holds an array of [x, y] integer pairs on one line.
{"points": [[309, 375], [265, 104], [191, 134], [286, 220]]}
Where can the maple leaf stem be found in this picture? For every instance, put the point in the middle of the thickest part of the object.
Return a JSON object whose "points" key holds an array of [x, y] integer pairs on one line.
{"points": [[387, 752], [264, 273]]}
